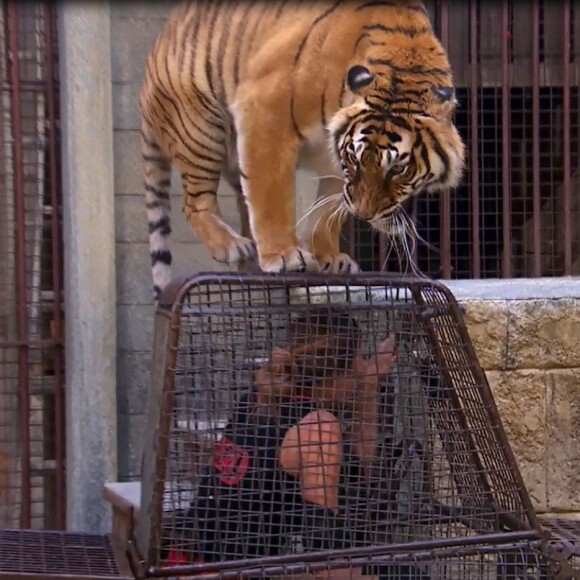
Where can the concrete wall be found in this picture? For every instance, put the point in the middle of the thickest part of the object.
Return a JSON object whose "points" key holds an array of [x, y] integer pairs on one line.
{"points": [[89, 261], [134, 27]]}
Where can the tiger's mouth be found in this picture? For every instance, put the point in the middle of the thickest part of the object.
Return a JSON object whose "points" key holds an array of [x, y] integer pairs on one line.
{"points": [[394, 221], [394, 224]]}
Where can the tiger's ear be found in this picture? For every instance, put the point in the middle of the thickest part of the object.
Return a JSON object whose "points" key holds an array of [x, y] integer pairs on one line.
{"points": [[357, 77]]}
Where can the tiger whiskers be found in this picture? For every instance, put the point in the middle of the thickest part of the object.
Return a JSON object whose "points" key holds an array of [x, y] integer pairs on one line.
{"points": [[319, 177], [415, 232], [337, 214], [402, 238], [409, 232], [333, 198]]}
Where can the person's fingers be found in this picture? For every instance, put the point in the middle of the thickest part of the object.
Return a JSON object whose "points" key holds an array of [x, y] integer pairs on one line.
{"points": [[386, 346], [385, 355], [360, 363], [280, 354]]}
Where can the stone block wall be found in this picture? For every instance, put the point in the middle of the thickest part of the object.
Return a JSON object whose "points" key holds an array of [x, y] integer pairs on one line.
{"points": [[134, 27], [527, 337]]}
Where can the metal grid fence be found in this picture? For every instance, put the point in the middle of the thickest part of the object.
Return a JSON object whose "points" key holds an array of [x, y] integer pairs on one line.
{"points": [[244, 365], [517, 73], [31, 321]]}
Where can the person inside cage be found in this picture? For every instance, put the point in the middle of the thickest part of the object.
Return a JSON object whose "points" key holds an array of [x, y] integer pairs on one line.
{"points": [[281, 467]]}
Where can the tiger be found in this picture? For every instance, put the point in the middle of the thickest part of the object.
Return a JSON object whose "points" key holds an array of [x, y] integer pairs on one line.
{"points": [[359, 91]]}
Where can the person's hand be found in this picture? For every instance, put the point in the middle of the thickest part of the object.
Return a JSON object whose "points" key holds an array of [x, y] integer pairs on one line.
{"points": [[380, 363], [272, 380]]}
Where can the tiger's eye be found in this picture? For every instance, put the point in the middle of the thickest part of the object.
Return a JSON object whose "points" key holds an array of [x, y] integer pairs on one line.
{"points": [[398, 169]]}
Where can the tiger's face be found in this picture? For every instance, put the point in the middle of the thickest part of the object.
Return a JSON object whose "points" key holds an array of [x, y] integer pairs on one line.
{"points": [[387, 156]]}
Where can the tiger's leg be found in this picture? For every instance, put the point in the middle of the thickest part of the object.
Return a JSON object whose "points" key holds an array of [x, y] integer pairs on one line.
{"points": [[201, 209], [268, 152], [325, 228], [233, 179]]}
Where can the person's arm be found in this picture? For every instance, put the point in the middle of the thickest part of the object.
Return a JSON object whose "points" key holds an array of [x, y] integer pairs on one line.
{"points": [[362, 381], [364, 428], [272, 381]]}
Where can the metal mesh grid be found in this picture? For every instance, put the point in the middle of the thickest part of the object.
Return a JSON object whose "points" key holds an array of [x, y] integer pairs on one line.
{"points": [[59, 554], [517, 212], [31, 365], [564, 544], [278, 437], [481, 562]]}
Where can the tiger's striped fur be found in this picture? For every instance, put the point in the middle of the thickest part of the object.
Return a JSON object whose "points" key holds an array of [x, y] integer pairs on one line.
{"points": [[358, 89]]}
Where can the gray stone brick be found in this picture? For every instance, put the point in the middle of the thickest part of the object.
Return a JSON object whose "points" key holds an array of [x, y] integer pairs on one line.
{"points": [[141, 10], [134, 269], [131, 41], [131, 430], [133, 380], [191, 259], [126, 113], [128, 163], [131, 218], [133, 274], [135, 327]]}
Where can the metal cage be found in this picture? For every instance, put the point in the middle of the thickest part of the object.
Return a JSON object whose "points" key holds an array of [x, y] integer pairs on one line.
{"points": [[247, 369]]}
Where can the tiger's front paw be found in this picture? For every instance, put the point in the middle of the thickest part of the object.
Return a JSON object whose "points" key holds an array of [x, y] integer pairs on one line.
{"points": [[233, 249], [338, 264], [293, 259]]}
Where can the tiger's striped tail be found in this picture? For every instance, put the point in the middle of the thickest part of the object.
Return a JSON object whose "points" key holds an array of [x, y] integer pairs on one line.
{"points": [[157, 171]]}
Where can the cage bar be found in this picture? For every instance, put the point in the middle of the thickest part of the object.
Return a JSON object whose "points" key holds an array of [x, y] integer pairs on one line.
{"points": [[505, 139], [31, 329], [567, 213], [20, 247], [441, 488]]}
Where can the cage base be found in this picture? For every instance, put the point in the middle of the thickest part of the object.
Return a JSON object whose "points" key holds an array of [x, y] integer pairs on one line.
{"points": [[54, 555]]}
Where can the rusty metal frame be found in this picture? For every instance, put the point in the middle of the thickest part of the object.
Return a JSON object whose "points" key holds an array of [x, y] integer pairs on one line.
{"points": [[335, 559], [17, 85], [20, 243], [145, 548], [95, 556]]}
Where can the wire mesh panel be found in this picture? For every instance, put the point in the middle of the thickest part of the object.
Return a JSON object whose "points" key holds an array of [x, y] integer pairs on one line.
{"points": [[31, 365], [54, 555], [517, 211], [294, 416]]}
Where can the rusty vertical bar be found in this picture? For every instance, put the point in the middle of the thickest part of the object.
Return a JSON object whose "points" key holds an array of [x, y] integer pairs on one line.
{"points": [[536, 208], [445, 196], [382, 252], [566, 49], [506, 264], [474, 139], [20, 251], [59, 419], [414, 248]]}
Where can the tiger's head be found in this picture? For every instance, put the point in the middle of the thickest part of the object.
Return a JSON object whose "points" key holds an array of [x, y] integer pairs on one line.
{"points": [[395, 140]]}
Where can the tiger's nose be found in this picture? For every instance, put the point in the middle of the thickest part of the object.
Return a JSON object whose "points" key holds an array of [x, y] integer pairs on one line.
{"points": [[365, 211]]}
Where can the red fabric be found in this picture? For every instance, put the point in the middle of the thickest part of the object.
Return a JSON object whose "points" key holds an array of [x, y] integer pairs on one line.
{"points": [[177, 558], [231, 460]]}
